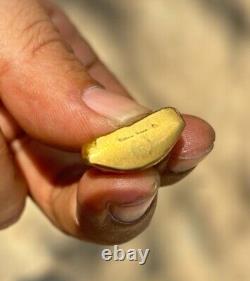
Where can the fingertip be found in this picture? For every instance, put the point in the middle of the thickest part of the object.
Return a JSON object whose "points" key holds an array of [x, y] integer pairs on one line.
{"points": [[113, 208], [196, 142], [198, 136], [97, 187]]}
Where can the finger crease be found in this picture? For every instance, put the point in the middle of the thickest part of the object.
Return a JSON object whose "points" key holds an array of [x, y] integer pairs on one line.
{"points": [[42, 45], [34, 24]]}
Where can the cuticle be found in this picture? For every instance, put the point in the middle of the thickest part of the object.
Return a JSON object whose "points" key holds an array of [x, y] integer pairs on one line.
{"points": [[138, 202], [96, 85], [128, 205], [200, 156]]}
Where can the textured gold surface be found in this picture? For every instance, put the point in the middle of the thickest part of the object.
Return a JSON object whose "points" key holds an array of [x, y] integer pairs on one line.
{"points": [[139, 145]]}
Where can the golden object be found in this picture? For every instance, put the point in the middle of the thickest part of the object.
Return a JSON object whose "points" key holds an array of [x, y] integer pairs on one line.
{"points": [[137, 146]]}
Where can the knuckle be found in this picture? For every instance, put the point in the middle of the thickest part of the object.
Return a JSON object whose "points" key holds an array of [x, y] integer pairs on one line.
{"points": [[43, 40], [38, 36], [28, 27]]}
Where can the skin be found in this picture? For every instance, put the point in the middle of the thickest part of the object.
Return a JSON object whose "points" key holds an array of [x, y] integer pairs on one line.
{"points": [[44, 66]]}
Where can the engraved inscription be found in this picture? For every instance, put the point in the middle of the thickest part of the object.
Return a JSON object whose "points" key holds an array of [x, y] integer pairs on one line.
{"points": [[141, 132], [125, 138], [153, 125]]}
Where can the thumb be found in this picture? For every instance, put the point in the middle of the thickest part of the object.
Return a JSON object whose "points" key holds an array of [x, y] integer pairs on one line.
{"points": [[46, 88]]}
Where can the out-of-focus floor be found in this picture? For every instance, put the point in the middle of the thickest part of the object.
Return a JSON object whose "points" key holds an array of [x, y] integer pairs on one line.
{"points": [[194, 55]]}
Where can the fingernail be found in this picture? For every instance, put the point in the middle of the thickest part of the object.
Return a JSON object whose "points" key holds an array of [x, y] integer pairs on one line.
{"points": [[117, 108], [186, 163], [129, 213]]}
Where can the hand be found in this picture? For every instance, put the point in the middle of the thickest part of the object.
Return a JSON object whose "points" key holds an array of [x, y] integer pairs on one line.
{"points": [[52, 103]]}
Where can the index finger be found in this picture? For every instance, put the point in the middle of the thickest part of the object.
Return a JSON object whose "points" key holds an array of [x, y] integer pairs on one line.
{"points": [[47, 89]]}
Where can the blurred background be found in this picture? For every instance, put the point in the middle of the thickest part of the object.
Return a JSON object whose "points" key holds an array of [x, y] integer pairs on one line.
{"points": [[193, 55]]}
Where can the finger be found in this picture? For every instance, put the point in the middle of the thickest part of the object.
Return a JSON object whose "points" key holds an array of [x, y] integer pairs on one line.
{"points": [[105, 208], [84, 53], [12, 188], [196, 142], [47, 89], [82, 49], [115, 208]]}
